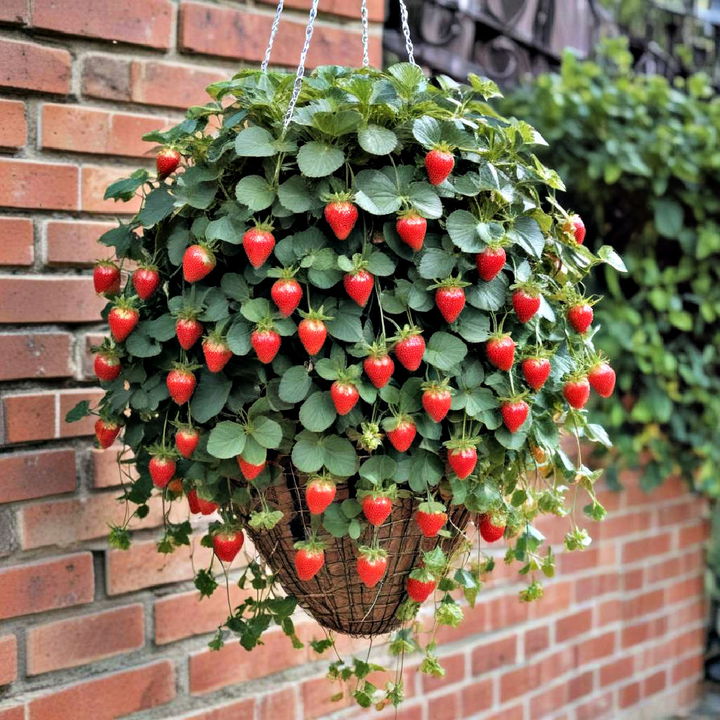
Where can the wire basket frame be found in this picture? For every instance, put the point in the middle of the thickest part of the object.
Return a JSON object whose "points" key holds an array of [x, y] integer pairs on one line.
{"points": [[336, 597]]}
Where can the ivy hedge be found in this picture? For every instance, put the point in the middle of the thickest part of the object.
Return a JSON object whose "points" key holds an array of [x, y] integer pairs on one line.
{"points": [[641, 160]]}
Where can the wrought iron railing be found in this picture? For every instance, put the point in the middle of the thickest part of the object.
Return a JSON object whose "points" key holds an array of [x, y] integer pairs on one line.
{"points": [[506, 39]]}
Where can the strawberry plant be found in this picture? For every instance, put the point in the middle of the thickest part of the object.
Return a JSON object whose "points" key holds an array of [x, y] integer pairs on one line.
{"points": [[393, 217]]}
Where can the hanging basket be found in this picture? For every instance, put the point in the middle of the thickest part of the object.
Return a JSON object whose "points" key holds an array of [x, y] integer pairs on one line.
{"points": [[336, 597]]}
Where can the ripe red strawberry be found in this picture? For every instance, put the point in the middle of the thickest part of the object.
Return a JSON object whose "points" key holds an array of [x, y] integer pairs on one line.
{"points": [[602, 379], [266, 344], [376, 508], [258, 242], [439, 164], [217, 353], [536, 371], [344, 396], [430, 517], [359, 286], [319, 493], [412, 228], [371, 566], [514, 414], [341, 216], [308, 561], [488, 531], [188, 331], [181, 385], [186, 441], [462, 461], [227, 544], [525, 304], [436, 400], [162, 469], [450, 301], [167, 161], [286, 293], [577, 392], [419, 590], [249, 470], [106, 278], [402, 435], [198, 261], [106, 431], [106, 365], [580, 317], [575, 227], [409, 350], [122, 320], [312, 333], [200, 505], [145, 280], [500, 352], [490, 262], [379, 368]]}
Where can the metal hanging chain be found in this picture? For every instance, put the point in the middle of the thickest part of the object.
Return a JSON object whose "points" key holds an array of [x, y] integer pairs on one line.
{"points": [[297, 86], [365, 33], [406, 32], [273, 33]]}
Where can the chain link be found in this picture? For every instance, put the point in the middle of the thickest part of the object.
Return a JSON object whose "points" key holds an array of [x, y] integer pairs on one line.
{"points": [[273, 33], [297, 86], [406, 32], [365, 33]]}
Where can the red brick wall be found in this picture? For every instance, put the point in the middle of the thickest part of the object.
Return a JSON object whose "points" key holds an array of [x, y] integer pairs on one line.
{"points": [[92, 634]]}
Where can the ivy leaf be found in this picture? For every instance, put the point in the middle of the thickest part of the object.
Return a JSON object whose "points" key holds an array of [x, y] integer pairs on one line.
{"points": [[226, 440], [295, 384], [445, 351], [255, 192], [377, 140], [318, 412], [255, 142], [319, 159], [210, 396]]}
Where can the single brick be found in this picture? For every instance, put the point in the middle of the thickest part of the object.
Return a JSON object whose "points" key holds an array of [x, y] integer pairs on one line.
{"points": [[106, 76], [49, 299], [240, 710], [84, 639], [13, 131], [14, 11], [170, 84], [38, 186], [28, 66], [68, 400], [78, 129], [477, 697], [29, 417], [138, 22], [17, 247], [493, 654], [188, 614], [572, 625], [35, 355], [75, 242], [241, 34], [279, 703], [110, 696], [64, 522], [28, 475], [46, 585], [211, 670], [8, 659], [95, 180], [143, 566]]}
